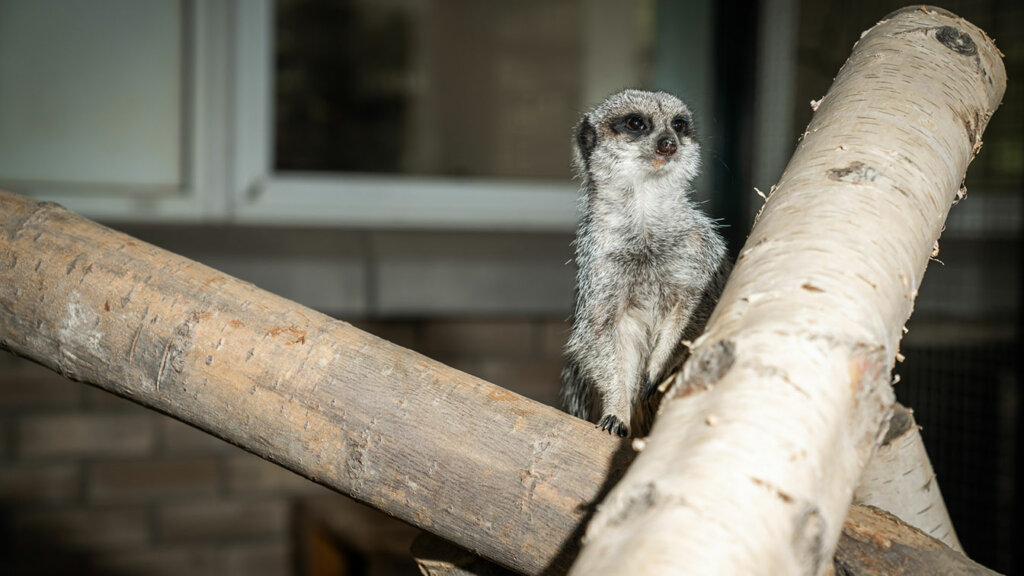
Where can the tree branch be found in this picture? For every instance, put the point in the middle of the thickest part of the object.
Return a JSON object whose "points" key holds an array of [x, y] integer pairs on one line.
{"points": [[900, 480], [506, 477]]}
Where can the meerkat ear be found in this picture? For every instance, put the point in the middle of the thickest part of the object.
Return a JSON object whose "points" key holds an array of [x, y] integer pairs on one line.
{"points": [[586, 137]]}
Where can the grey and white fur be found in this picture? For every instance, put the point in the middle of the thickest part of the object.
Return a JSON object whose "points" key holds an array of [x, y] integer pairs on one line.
{"points": [[651, 264]]}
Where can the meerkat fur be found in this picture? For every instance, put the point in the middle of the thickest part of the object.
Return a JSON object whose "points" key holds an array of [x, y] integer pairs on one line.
{"points": [[651, 264]]}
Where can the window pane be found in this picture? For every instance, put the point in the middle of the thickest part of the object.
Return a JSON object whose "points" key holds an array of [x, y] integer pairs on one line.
{"points": [[441, 87], [90, 92]]}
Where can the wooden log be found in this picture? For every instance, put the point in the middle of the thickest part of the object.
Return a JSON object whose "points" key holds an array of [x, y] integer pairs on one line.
{"points": [[752, 463], [506, 477], [874, 542], [498, 474], [900, 480]]}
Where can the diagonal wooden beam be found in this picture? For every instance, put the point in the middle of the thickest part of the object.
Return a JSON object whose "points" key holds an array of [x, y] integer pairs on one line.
{"points": [[502, 475]]}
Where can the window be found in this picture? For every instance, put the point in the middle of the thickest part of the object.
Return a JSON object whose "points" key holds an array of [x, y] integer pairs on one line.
{"points": [[433, 114]]}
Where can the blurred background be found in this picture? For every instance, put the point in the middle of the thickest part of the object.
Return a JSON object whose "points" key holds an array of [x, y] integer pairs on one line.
{"points": [[404, 165]]}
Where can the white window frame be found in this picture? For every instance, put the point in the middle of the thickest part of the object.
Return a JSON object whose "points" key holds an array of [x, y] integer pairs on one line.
{"points": [[260, 195]]}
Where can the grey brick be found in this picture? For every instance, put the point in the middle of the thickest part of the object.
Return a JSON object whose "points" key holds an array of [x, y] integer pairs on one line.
{"points": [[361, 527], [28, 385], [476, 338], [161, 561], [224, 520], [82, 528], [554, 333], [153, 480], [249, 474], [458, 273], [320, 268], [272, 559], [45, 483], [100, 399], [404, 333], [538, 380], [179, 438], [85, 434]]}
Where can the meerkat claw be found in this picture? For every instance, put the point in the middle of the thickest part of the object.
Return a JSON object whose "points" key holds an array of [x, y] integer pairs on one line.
{"points": [[612, 425]]}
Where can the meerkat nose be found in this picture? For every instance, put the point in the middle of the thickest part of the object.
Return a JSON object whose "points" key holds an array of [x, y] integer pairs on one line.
{"points": [[667, 146]]}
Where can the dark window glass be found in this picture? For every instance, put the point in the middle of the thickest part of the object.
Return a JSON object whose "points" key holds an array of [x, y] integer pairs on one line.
{"points": [[442, 87]]}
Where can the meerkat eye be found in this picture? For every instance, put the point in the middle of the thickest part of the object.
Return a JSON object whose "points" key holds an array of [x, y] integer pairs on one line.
{"points": [[678, 123], [635, 123]]}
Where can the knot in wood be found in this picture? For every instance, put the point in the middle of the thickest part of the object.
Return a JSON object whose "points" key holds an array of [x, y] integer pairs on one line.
{"points": [[957, 41]]}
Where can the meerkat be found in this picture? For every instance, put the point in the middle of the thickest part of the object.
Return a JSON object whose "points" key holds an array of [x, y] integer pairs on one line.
{"points": [[650, 263]]}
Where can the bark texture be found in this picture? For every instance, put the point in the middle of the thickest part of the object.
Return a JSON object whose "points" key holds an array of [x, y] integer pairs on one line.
{"points": [[506, 477], [878, 543], [873, 543], [753, 462], [900, 480]]}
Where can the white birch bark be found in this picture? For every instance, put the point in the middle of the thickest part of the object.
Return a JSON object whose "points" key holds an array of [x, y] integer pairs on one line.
{"points": [[753, 461], [899, 479]]}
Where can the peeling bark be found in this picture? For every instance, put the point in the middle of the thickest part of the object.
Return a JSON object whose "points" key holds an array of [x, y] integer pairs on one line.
{"points": [[899, 479]]}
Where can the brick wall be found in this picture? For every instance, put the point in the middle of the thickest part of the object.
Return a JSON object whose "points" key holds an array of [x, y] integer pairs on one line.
{"points": [[91, 483]]}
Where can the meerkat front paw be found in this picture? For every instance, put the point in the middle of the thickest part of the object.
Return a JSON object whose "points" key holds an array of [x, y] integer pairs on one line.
{"points": [[612, 425]]}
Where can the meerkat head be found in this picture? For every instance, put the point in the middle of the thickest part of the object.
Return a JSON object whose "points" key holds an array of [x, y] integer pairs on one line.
{"points": [[636, 136]]}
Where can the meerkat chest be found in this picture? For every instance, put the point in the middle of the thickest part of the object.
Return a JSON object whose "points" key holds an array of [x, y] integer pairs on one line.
{"points": [[653, 253]]}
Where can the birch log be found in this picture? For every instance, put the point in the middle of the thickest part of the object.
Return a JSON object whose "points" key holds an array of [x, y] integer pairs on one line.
{"points": [[752, 463], [900, 480]]}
